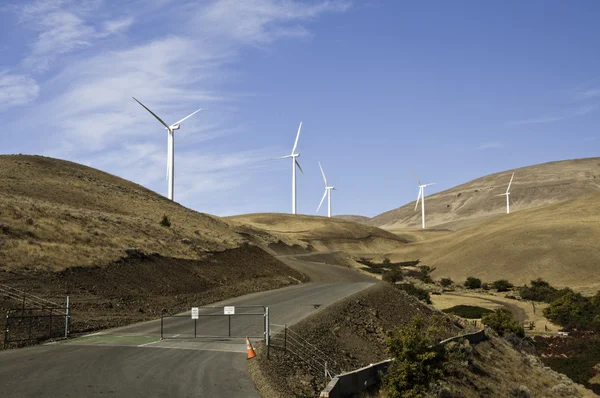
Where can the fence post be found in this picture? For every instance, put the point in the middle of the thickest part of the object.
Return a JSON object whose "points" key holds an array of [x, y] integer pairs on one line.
{"points": [[229, 320], [51, 316], [6, 331], [162, 313], [195, 327], [67, 316], [267, 332]]}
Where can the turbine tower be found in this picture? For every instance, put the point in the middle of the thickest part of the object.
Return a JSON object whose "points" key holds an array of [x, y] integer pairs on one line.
{"points": [[422, 197], [171, 146], [507, 193], [295, 163], [327, 193]]}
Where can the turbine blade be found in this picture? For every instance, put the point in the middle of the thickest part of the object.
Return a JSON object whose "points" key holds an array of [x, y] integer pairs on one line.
{"points": [[324, 179], [298, 164], [416, 177], [511, 178], [297, 136], [418, 197], [322, 199], [283, 157], [188, 116], [153, 114]]}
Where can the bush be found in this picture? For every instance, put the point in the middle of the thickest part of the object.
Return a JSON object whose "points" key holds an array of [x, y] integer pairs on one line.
{"points": [[574, 311], [502, 285], [485, 286], [419, 361], [472, 283], [541, 290], [417, 292], [394, 275], [468, 311], [503, 322], [165, 221], [445, 282], [386, 261], [425, 273]]}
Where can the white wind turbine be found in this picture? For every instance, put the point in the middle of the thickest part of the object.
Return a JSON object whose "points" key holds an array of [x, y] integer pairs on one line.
{"points": [[327, 193], [507, 193], [294, 164], [422, 197], [171, 145]]}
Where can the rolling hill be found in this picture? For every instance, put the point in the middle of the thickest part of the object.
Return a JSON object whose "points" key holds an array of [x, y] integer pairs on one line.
{"points": [[557, 242], [323, 234], [476, 200]]}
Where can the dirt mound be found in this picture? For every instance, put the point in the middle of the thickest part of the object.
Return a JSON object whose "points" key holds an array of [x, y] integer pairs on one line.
{"points": [[533, 186], [136, 288], [321, 233], [556, 242], [350, 334]]}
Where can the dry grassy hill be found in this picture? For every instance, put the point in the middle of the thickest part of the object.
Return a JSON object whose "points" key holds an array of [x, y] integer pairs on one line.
{"points": [[476, 200], [557, 242], [354, 218], [321, 233]]}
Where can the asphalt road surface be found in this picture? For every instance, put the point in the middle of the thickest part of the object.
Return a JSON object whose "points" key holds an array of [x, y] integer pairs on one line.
{"points": [[133, 361]]}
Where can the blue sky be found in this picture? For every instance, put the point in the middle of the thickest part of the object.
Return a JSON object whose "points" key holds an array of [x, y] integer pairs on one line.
{"points": [[454, 90]]}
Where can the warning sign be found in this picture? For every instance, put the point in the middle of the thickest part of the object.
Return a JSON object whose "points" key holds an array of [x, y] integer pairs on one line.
{"points": [[229, 310]]}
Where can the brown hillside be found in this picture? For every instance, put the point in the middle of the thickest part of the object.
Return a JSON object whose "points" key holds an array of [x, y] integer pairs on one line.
{"points": [[322, 233], [557, 242], [533, 186], [354, 218]]}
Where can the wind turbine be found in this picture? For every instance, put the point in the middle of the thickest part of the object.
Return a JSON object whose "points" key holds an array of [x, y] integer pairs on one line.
{"points": [[327, 193], [295, 163], [422, 197], [171, 145], [507, 193]]}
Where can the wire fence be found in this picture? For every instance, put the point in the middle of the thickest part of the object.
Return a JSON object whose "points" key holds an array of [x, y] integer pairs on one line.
{"points": [[27, 299], [316, 360]]}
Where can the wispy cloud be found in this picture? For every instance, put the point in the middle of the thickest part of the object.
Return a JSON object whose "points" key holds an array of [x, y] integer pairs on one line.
{"points": [[263, 21], [63, 27], [569, 114], [490, 145], [16, 90]]}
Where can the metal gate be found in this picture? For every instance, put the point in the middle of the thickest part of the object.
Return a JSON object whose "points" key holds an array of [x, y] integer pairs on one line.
{"points": [[215, 321]]}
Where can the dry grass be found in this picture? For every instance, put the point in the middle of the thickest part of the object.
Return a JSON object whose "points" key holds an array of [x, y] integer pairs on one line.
{"points": [[558, 243], [467, 203], [57, 214], [323, 233]]}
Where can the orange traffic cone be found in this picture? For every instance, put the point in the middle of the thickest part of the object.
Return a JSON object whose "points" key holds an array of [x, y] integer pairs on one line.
{"points": [[251, 353]]}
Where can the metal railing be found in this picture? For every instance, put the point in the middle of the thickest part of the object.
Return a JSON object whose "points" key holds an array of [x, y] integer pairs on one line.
{"points": [[317, 361]]}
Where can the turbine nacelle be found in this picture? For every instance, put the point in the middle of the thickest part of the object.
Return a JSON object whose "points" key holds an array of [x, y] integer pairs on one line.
{"points": [[175, 127]]}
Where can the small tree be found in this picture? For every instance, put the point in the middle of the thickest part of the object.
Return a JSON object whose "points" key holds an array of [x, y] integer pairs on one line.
{"points": [[165, 222], [503, 322], [473, 283], [502, 285], [425, 273], [386, 261], [418, 362], [393, 275], [445, 282]]}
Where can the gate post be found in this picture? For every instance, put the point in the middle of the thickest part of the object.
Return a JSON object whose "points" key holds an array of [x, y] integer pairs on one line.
{"points": [[67, 316], [195, 327], [229, 320], [162, 314], [267, 331]]}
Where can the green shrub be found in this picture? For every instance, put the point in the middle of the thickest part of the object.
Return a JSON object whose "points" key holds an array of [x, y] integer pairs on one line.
{"points": [[445, 282], [502, 285], [165, 221], [417, 292], [541, 290], [574, 311], [393, 275], [503, 322], [419, 361], [386, 261], [473, 283], [468, 311]]}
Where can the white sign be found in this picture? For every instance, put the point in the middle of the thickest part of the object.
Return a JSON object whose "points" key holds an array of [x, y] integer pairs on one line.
{"points": [[194, 312], [229, 310]]}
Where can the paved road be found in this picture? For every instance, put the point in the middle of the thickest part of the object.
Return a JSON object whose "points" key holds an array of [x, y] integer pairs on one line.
{"points": [[132, 361]]}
